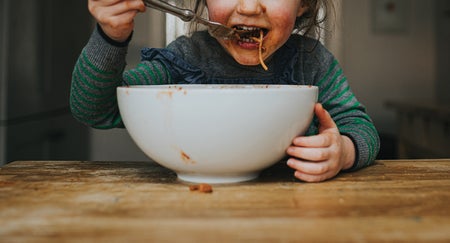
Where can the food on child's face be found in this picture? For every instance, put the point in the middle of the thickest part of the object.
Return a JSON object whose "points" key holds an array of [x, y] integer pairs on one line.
{"points": [[247, 32], [243, 47]]}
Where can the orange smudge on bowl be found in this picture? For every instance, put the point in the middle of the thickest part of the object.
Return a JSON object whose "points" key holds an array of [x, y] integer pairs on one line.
{"points": [[180, 89], [165, 93], [186, 158]]}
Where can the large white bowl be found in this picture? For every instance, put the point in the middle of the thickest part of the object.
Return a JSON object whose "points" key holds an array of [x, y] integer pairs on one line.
{"points": [[216, 133]]}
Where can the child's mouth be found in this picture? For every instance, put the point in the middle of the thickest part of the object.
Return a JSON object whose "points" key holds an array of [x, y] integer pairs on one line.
{"points": [[249, 33]]}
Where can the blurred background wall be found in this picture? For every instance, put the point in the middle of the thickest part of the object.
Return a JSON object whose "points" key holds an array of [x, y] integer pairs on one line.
{"points": [[398, 53]]}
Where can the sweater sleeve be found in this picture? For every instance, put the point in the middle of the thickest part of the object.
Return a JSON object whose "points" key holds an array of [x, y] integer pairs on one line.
{"points": [[99, 70], [348, 113]]}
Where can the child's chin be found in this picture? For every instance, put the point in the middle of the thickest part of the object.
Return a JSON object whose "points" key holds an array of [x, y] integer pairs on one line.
{"points": [[247, 62]]}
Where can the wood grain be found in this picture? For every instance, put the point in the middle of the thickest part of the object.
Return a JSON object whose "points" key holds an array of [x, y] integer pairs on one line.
{"points": [[73, 201]]}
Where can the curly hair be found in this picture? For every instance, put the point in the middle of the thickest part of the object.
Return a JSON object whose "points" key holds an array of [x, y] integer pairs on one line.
{"points": [[309, 24]]}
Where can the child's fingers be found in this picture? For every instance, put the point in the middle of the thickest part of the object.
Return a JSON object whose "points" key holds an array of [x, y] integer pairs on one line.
{"points": [[313, 178], [126, 6], [103, 10], [312, 171], [116, 17], [315, 141], [306, 167], [309, 154], [132, 5]]}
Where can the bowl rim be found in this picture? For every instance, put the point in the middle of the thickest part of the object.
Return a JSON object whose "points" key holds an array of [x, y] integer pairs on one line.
{"points": [[209, 87]]}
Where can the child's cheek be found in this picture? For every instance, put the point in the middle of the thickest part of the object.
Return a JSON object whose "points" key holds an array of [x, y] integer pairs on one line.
{"points": [[218, 17], [285, 19], [219, 11]]}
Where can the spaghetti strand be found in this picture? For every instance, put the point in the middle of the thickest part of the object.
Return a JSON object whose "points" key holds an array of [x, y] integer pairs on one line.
{"points": [[260, 49]]}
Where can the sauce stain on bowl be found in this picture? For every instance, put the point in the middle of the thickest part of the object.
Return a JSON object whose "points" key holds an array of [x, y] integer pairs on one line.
{"points": [[186, 158], [162, 94], [171, 91]]}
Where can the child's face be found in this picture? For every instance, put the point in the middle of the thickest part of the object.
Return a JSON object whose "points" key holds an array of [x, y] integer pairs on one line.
{"points": [[275, 17]]}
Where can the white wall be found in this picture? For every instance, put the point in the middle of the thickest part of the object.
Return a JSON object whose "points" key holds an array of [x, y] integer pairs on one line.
{"points": [[383, 67]]}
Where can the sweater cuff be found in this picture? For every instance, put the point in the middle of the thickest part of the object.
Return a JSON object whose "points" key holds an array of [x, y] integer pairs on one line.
{"points": [[103, 55], [355, 165], [111, 41]]}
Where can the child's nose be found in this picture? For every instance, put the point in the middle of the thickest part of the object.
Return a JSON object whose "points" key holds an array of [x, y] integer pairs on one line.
{"points": [[250, 7]]}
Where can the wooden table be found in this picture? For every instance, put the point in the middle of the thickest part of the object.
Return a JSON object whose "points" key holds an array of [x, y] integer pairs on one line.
{"points": [[74, 201]]}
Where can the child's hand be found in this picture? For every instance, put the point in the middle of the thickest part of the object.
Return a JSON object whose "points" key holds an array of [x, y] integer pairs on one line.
{"points": [[323, 156], [116, 17]]}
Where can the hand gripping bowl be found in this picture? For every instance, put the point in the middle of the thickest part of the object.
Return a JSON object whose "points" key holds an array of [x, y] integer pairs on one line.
{"points": [[216, 133]]}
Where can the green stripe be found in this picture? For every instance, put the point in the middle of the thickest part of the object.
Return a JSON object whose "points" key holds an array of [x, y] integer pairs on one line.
{"points": [[80, 90], [329, 106], [96, 76], [149, 71], [88, 93], [333, 65], [370, 144], [91, 75], [92, 66], [92, 123], [81, 113], [136, 77], [126, 76], [325, 90], [370, 126], [372, 140], [82, 99], [339, 95], [88, 82], [344, 102], [158, 73], [92, 95], [341, 82], [348, 110]]}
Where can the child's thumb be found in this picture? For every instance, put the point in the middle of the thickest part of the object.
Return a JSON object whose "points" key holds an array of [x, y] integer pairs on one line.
{"points": [[325, 120]]}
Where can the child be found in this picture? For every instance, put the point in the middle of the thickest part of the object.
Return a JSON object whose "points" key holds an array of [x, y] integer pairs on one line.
{"points": [[342, 137]]}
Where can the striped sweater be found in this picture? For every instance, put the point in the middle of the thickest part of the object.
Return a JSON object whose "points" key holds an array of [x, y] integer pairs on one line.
{"points": [[200, 59]]}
